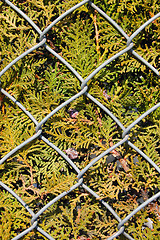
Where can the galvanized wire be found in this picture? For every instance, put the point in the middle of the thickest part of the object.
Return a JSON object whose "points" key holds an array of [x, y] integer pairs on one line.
{"points": [[84, 88]]}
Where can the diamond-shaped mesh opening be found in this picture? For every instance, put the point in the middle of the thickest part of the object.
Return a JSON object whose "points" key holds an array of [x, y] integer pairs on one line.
{"points": [[11, 211], [80, 207], [88, 23]]}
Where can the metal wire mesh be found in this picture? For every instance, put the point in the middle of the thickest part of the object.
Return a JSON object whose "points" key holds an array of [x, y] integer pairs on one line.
{"points": [[84, 87]]}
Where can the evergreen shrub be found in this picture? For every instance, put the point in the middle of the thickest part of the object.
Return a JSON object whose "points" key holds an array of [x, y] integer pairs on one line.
{"points": [[82, 130]]}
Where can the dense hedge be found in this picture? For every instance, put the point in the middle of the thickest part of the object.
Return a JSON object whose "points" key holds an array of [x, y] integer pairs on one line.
{"points": [[40, 82]]}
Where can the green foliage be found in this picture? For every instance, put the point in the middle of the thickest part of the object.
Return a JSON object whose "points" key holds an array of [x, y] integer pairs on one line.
{"points": [[40, 82]]}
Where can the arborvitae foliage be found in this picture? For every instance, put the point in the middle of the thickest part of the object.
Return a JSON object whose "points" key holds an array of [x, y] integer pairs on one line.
{"points": [[40, 82]]}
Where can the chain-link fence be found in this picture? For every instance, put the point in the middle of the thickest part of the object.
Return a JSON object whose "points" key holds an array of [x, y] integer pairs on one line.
{"points": [[84, 87]]}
